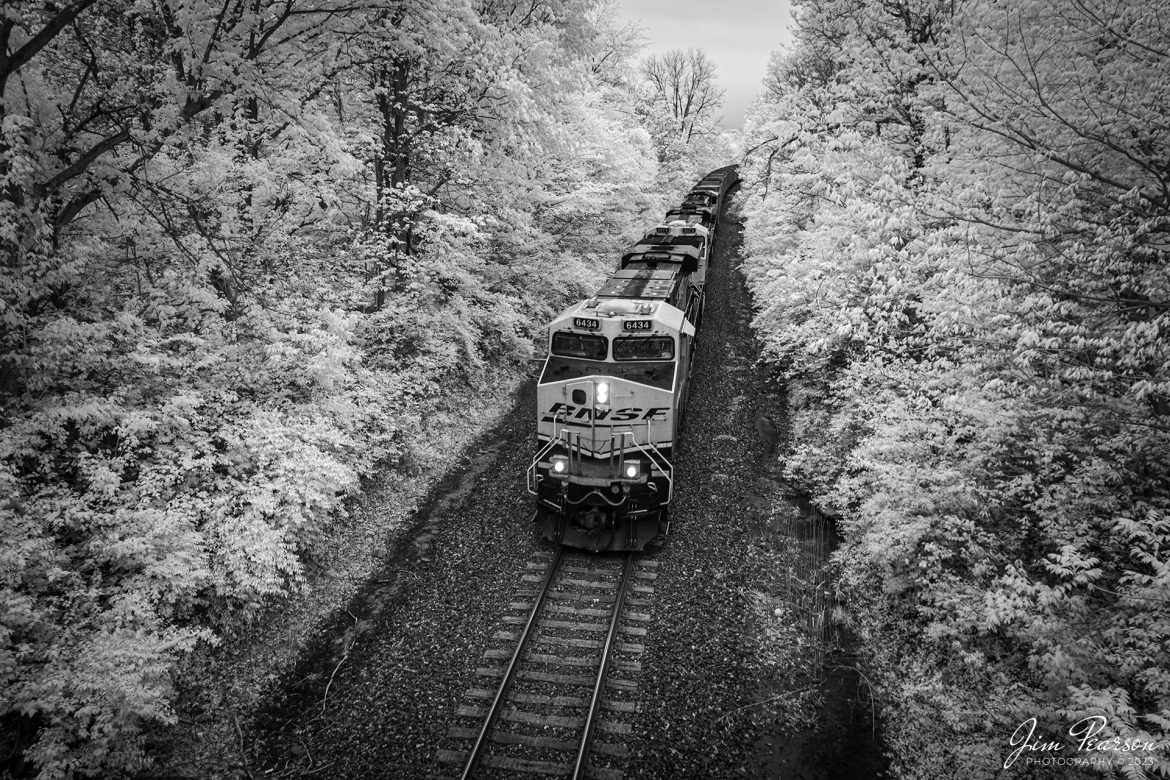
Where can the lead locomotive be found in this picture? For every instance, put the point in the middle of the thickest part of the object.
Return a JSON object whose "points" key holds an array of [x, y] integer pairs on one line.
{"points": [[613, 391]]}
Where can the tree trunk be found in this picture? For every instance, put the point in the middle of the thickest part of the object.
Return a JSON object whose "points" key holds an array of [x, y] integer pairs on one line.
{"points": [[392, 169]]}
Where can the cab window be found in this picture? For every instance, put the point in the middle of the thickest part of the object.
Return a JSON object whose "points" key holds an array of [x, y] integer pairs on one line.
{"points": [[579, 345], [644, 348]]}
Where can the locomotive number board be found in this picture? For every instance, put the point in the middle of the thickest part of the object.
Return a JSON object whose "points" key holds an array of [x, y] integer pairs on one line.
{"points": [[637, 324], [586, 323]]}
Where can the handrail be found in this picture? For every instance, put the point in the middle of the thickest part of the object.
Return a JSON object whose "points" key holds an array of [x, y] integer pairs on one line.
{"points": [[649, 450], [532, 482], [655, 455]]}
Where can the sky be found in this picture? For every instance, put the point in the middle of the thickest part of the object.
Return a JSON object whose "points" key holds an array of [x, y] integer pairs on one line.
{"points": [[739, 35]]}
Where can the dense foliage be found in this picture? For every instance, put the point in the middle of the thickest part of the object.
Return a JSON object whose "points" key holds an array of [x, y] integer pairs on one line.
{"points": [[959, 238], [252, 253]]}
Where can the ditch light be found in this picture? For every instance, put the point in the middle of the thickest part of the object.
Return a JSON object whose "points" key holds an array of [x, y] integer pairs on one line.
{"points": [[559, 464]]}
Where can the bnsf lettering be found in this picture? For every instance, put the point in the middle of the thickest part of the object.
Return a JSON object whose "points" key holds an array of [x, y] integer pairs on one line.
{"points": [[571, 413]]}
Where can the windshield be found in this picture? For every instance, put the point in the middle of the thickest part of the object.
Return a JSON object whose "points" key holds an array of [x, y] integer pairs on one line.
{"points": [[578, 345], [644, 348]]}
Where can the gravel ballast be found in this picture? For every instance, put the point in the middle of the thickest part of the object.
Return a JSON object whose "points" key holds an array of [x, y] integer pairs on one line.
{"points": [[704, 677]]}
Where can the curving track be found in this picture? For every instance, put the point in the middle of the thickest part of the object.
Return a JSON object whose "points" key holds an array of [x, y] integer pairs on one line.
{"points": [[560, 681]]}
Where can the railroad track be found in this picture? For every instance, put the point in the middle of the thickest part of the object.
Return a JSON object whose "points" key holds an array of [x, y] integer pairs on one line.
{"points": [[557, 693]]}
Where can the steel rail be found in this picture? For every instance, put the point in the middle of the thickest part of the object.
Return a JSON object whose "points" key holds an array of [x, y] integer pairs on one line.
{"points": [[494, 711], [606, 655]]}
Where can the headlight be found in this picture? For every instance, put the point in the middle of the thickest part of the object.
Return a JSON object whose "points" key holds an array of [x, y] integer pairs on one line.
{"points": [[602, 394], [633, 469], [560, 464]]}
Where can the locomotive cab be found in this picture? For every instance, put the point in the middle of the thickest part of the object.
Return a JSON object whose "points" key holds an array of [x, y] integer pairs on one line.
{"points": [[679, 238], [701, 199], [696, 215]]}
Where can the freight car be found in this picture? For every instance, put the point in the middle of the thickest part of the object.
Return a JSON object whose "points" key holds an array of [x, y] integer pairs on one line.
{"points": [[613, 391]]}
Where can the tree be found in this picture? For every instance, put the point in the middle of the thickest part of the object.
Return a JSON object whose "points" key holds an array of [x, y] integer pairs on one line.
{"points": [[615, 46], [196, 199], [683, 83], [958, 238]]}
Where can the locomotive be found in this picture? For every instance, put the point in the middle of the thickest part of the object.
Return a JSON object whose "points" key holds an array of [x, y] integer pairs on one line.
{"points": [[613, 390]]}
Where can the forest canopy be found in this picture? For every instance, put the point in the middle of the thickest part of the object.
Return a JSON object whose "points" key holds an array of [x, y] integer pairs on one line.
{"points": [[252, 254], [959, 239]]}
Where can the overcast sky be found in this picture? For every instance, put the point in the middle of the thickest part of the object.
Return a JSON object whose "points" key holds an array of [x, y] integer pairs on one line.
{"points": [[739, 35]]}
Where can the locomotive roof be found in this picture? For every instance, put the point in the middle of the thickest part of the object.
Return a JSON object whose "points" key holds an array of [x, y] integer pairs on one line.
{"points": [[686, 210], [678, 227], [640, 283], [605, 314], [671, 244], [684, 258], [703, 219]]}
